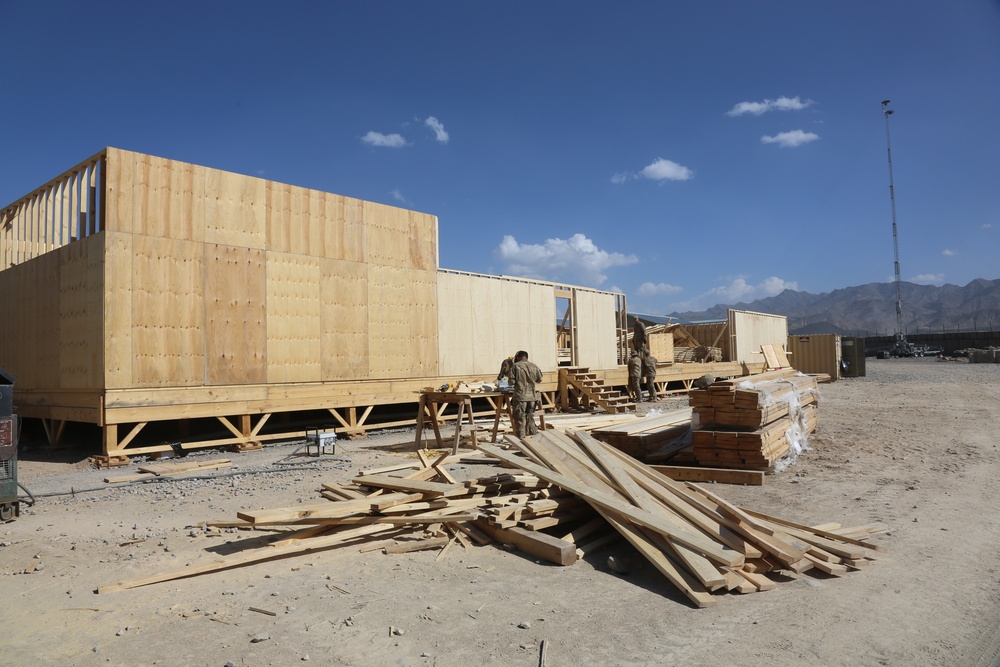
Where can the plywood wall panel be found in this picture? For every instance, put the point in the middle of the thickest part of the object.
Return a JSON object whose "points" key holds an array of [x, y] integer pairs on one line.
{"points": [[168, 312], [235, 313], [293, 318], [119, 190], [750, 330], [118, 355], [344, 232], [456, 341], [235, 209], [483, 320], [595, 329], [81, 309], [402, 316], [399, 237], [344, 320]]}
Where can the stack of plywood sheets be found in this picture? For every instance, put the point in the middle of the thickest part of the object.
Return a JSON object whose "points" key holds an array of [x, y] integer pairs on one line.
{"points": [[754, 422]]}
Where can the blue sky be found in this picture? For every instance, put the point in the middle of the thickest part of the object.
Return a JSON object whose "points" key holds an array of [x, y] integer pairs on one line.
{"points": [[686, 154]]}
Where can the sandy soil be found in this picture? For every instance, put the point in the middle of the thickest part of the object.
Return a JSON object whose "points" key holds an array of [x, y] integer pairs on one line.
{"points": [[913, 445]]}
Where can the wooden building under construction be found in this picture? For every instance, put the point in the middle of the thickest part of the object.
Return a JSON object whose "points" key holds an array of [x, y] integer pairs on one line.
{"points": [[137, 289]]}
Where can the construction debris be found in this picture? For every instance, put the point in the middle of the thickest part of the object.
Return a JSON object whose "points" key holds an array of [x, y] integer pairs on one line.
{"points": [[561, 504]]}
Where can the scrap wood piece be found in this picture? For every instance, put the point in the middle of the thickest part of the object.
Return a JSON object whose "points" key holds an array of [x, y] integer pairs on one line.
{"points": [[176, 468], [540, 545], [417, 545]]}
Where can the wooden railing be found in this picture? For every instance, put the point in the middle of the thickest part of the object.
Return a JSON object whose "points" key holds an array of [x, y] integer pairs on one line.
{"points": [[67, 208]]}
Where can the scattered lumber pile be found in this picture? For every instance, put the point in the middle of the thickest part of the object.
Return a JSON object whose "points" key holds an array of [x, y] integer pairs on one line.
{"points": [[645, 436], [571, 489], [699, 541], [754, 422], [425, 509]]}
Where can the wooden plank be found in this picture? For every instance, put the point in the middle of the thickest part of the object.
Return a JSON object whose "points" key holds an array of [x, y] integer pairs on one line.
{"points": [[719, 475], [540, 545], [431, 489], [417, 545], [250, 557]]}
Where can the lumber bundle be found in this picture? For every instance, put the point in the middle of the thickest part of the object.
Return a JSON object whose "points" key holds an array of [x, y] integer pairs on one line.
{"points": [[641, 437], [754, 422], [700, 542]]}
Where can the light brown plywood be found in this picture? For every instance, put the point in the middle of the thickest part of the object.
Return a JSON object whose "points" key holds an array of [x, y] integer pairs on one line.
{"points": [[344, 320], [235, 329], [293, 318], [118, 310], [402, 322], [167, 313], [80, 325], [235, 209]]}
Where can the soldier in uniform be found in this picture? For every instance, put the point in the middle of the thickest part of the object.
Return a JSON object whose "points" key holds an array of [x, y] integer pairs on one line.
{"points": [[635, 377], [649, 370], [524, 375]]}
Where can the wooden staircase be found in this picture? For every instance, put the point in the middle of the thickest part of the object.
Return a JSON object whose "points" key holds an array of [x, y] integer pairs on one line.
{"points": [[591, 391]]}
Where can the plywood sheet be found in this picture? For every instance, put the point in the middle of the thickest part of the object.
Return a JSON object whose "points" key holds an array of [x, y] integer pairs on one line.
{"points": [[81, 310], [118, 355], [484, 319], [293, 318], [167, 312], [402, 322], [235, 209], [235, 314], [456, 325], [750, 330], [596, 329], [344, 320], [343, 228], [399, 237]]}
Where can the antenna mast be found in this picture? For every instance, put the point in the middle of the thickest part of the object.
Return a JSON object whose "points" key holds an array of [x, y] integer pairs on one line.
{"points": [[901, 348]]}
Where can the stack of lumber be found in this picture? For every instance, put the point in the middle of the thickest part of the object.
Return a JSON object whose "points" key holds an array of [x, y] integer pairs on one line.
{"points": [[699, 541], [647, 435], [754, 422]]}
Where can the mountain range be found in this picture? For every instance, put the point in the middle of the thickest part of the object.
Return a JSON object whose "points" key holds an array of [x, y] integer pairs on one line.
{"points": [[869, 310]]}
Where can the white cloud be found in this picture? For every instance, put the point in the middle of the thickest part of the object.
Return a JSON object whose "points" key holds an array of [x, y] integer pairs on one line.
{"points": [[661, 169], [657, 170], [987, 225], [735, 291], [928, 279], [657, 289], [948, 252], [780, 104], [386, 140], [398, 196], [438, 127], [790, 139], [575, 260]]}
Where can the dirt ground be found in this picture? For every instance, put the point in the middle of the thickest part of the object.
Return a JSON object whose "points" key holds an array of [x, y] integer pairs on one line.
{"points": [[913, 445]]}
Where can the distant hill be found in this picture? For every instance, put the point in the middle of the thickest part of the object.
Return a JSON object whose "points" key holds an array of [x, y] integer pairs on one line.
{"points": [[871, 309]]}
